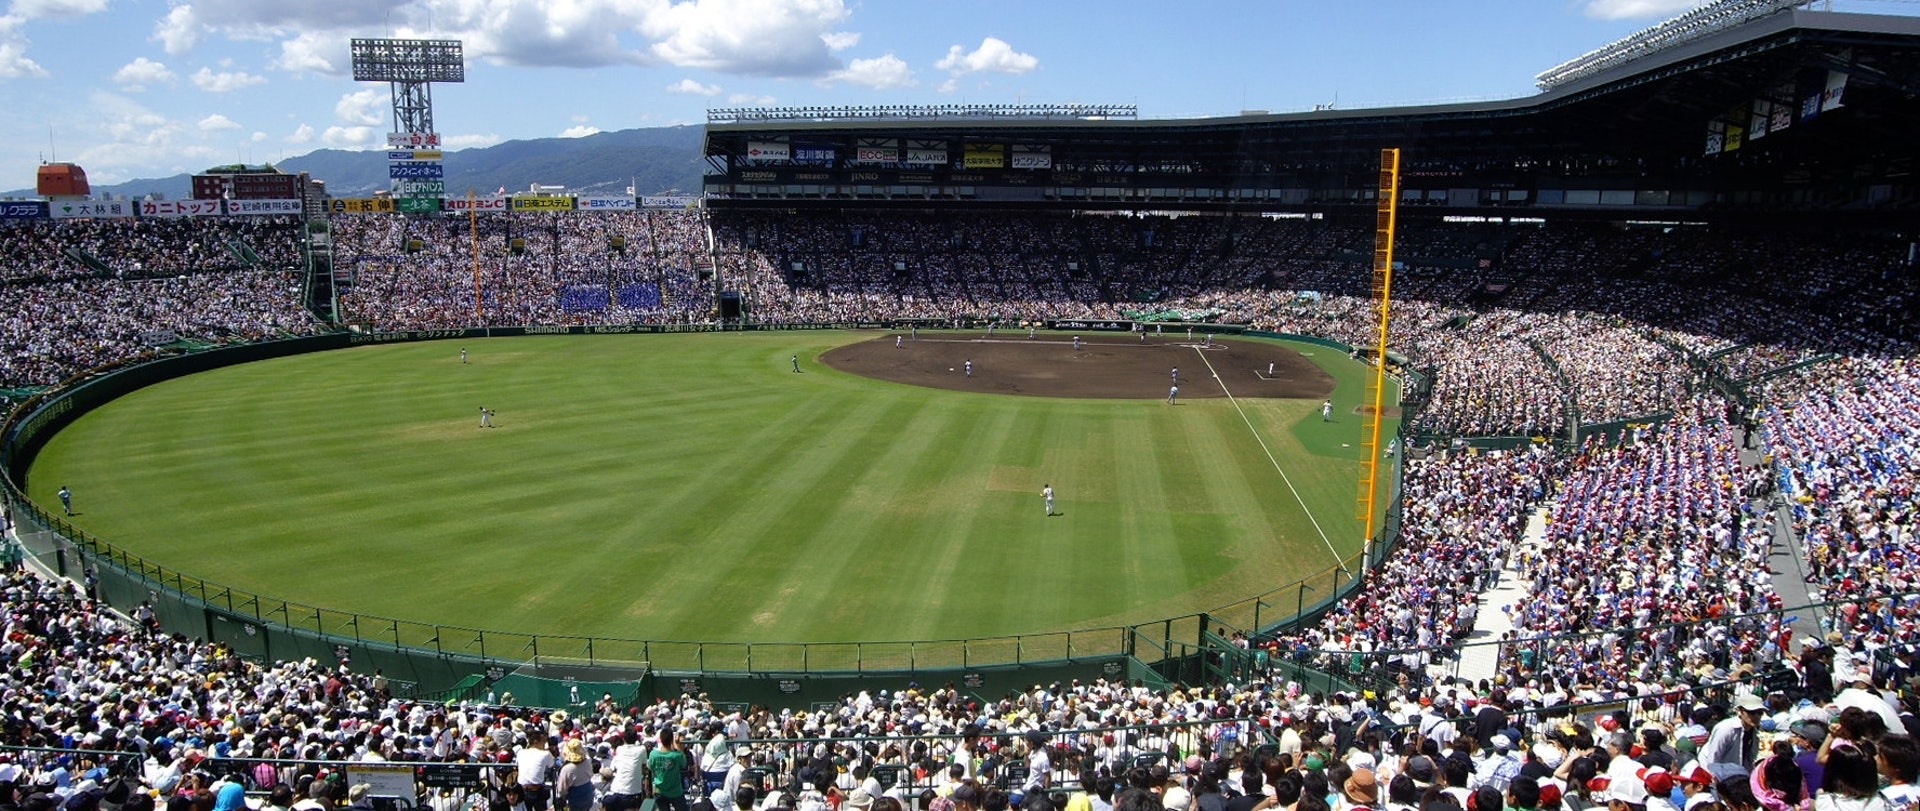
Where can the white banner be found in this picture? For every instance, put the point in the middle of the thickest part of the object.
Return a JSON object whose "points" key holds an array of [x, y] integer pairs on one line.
{"points": [[414, 155], [418, 188], [246, 207], [768, 151], [1032, 157], [413, 140], [669, 201], [179, 208], [876, 154], [1835, 92], [928, 156], [477, 204], [66, 210], [606, 204]]}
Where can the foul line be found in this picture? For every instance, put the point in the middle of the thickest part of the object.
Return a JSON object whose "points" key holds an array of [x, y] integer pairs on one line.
{"points": [[1270, 458]]}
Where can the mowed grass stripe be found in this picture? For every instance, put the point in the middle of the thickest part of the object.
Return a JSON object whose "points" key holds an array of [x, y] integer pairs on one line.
{"points": [[680, 487]]}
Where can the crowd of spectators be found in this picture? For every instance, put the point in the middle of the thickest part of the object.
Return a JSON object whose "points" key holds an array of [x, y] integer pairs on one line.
{"points": [[1663, 528], [164, 280], [547, 268], [1654, 573], [1462, 517], [146, 247], [1845, 436], [113, 713]]}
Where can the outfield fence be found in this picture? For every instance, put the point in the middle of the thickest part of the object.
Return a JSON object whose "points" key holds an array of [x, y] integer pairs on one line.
{"points": [[454, 661]]}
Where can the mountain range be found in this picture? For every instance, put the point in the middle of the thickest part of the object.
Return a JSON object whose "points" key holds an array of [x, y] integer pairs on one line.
{"points": [[652, 160]]}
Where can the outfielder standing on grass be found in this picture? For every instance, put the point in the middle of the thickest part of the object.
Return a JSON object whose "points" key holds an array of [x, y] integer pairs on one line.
{"points": [[1046, 491]]}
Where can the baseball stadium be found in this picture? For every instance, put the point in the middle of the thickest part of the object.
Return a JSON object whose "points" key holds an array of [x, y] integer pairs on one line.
{"points": [[1070, 440]]}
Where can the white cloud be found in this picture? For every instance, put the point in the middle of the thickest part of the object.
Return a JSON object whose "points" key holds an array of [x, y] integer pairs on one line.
{"points": [[1633, 9], [785, 38], [993, 56], [207, 80], [880, 73], [348, 137], [692, 88], [301, 135], [365, 107], [178, 32], [217, 122], [258, 137], [14, 63], [752, 99], [36, 9], [140, 141], [142, 73], [749, 37], [316, 53], [581, 131]]}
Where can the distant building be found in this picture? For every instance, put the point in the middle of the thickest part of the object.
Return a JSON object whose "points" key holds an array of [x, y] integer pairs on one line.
{"points": [[242, 182], [62, 180]]}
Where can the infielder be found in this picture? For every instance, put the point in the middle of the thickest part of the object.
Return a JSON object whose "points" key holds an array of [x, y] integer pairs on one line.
{"points": [[1173, 396]]}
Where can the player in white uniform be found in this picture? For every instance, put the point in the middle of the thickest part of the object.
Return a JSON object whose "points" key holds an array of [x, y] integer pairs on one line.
{"points": [[1046, 491], [1173, 395]]}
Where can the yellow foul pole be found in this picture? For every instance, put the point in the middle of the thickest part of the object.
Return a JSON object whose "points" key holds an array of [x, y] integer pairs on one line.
{"points": [[1386, 212]]}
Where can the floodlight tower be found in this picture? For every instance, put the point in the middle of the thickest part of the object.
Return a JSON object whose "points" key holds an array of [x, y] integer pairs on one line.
{"points": [[410, 66]]}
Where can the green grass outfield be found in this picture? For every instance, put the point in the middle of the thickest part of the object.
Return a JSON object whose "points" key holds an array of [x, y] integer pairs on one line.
{"points": [[691, 487]]}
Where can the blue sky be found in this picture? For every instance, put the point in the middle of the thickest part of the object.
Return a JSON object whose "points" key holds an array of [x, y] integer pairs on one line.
{"points": [[150, 88]]}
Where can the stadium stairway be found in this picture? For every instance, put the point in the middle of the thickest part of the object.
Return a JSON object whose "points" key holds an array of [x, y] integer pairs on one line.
{"points": [[1786, 561], [1480, 660], [91, 261]]}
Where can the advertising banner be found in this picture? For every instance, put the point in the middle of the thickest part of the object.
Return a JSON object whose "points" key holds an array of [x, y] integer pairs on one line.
{"points": [[768, 151], [984, 156], [541, 204], [414, 155], [413, 140], [477, 204], [179, 208], [64, 210], [606, 204], [23, 210], [415, 169], [813, 154], [361, 205], [669, 201], [934, 157], [876, 154], [418, 205], [253, 207], [1032, 157], [420, 188]]}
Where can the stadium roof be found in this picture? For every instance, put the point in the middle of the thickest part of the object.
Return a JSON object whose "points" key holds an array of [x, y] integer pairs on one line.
{"points": [[1653, 115]]}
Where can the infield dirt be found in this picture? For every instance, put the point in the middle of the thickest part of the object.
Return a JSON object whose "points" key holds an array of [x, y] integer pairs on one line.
{"points": [[1115, 366]]}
